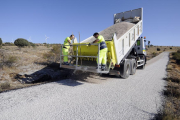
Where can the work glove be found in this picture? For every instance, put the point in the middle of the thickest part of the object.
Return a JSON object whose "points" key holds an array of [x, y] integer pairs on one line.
{"points": [[90, 44]]}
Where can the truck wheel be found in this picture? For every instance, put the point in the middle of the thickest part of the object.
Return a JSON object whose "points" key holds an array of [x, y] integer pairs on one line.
{"points": [[133, 67], [143, 66], [126, 69]]}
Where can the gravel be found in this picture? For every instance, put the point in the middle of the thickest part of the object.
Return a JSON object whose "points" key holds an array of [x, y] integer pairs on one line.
{"points": [[136, 98], [118, 28]]}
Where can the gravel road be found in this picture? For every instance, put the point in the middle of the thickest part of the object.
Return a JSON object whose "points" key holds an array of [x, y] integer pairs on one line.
{"points": [[136, 98]]}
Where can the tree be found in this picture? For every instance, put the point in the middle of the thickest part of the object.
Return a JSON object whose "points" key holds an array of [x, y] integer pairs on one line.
{"points": [[158, 49], [20, 42], [149, 43], [0, 42], [32, 44]]}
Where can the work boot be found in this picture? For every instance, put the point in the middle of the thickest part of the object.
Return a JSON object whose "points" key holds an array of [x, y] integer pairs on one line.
{"points": [[103, 67], [65, 63], [99, 67]]}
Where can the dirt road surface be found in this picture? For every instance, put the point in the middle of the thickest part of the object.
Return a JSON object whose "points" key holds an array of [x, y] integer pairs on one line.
{"points": [[137, 98]]}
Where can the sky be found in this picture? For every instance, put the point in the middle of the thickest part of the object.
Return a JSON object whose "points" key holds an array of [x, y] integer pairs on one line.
{"points": [[57, 19]]}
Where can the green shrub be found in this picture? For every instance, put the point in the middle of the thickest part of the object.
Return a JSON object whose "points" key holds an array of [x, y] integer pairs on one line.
{"points": [[1, 42], [20, 42], [178, 51], [176, 56], [154, 54], [158, 49], [32, 44], [8, 44]]}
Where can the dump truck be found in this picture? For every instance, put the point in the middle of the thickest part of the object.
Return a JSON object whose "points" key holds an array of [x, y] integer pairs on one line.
{"points": [[126, 47]]}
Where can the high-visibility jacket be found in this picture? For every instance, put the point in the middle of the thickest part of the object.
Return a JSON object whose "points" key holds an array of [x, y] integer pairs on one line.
{"points": [[67, 43], [102, 42]]}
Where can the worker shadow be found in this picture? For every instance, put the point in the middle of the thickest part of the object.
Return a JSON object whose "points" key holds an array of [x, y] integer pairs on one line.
{"points": [[142, 111], [106, 76], [69, 82]]}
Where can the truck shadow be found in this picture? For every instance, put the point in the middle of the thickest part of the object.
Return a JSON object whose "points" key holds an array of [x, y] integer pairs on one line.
{"points": [[52, 73]]}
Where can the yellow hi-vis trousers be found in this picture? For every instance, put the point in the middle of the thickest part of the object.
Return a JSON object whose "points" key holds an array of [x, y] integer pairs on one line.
{"points": [[102, 56], [65, 52]]}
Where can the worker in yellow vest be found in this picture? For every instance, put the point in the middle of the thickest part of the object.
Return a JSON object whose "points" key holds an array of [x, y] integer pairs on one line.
{"points": [[65, 49], [103, 51]]}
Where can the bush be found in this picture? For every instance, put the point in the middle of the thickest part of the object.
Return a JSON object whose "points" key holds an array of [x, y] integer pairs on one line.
{"points": [[170, 48], [48, 55], [176, 56], [5, 85], [172, 92], [8, 44], [56, 49], [53, 55], [158, 49], [47, 45], [20, 42], [178, 51], [1, 42], [154, 54], [32, 44]]}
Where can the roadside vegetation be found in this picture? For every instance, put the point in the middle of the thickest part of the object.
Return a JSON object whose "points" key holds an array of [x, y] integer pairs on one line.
{"points": [[53, 55], [0, 42], [171, 107], [16, 65], [20, 42]]}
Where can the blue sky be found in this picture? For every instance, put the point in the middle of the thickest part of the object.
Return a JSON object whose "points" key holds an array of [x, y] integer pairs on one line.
{"points": [[59, 18]]}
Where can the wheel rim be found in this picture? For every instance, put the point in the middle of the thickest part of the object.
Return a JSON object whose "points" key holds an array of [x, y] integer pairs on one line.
{"points": [[127, 70]]}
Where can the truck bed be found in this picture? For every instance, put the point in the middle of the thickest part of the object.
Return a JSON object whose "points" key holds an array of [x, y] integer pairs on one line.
{"points": [[119, 28]]}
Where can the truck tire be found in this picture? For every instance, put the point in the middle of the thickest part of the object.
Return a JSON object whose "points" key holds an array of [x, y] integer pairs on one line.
{"points": [[133, 67], [125, 69], [143, 66]]}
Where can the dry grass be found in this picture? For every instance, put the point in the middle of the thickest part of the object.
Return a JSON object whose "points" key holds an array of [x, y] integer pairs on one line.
{"points": [[13, 61], [53, 55], [153, 51], [170, 109], [43, 55], [5, 85]]}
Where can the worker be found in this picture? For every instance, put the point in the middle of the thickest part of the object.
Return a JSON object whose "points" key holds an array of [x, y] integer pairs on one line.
{"points": [[103, 51], [65, 49]]}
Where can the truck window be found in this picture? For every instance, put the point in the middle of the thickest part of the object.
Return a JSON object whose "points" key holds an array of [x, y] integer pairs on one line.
{"points": [[138, 43]]}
